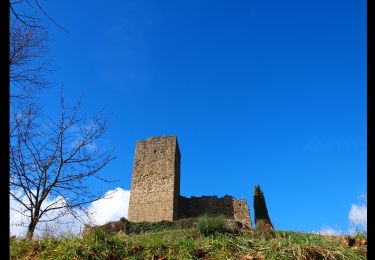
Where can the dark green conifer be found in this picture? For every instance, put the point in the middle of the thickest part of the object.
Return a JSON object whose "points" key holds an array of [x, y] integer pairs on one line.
{"points": [[262, 220]]}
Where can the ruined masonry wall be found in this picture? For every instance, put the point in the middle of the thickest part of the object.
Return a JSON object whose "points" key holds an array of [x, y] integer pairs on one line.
{"points": [[155, 188], [230, 207]]}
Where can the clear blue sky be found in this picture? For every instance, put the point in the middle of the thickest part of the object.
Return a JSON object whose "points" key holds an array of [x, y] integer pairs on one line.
{"points": [[257, 92]]}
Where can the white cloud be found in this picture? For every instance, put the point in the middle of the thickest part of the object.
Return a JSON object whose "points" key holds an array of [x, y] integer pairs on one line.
{"points": [[358, 216], [17, 219], [112, 208], [357, 219]]}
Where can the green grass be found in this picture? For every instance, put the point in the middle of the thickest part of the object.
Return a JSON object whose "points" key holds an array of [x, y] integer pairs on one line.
{"points": [[187, 244], [209, 225]]}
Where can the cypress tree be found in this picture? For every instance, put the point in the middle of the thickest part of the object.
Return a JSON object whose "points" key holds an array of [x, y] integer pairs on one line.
{"points": [[262, 220]]}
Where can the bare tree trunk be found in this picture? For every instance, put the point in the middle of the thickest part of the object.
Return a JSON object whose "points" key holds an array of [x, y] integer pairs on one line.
{"points": [[33, 222], [31, 229]]}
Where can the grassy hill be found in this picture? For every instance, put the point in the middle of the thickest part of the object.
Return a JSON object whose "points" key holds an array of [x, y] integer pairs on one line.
{"points": [[191, 244]]}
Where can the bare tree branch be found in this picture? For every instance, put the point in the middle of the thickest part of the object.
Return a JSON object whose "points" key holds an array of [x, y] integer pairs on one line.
{"points": [[28, 67], [46, 14], [32, 21]]}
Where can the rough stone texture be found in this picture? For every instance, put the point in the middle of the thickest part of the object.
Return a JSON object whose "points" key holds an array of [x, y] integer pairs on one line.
{"points": [[241, 211], [230, 207], [156, 180], [155, 188]]}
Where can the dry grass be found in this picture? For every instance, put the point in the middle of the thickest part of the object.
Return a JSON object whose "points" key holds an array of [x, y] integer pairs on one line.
{"points": [[189, 244]]}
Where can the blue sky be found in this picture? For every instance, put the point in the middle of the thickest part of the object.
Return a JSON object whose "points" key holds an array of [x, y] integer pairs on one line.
{"points": [[257, 92]]}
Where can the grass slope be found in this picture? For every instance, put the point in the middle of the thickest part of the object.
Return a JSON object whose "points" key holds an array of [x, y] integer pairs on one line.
{"points": [[188, 244]]}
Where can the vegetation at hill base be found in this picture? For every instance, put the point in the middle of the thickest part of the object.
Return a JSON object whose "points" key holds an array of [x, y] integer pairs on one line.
{"points": [[190, 243], [208, 225]]}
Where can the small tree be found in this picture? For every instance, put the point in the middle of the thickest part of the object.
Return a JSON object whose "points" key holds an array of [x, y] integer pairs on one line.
{"points": [[55, 159], [262, 220]]}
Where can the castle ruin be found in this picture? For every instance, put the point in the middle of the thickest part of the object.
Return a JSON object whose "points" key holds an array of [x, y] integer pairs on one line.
{"points": [[155, 188]]}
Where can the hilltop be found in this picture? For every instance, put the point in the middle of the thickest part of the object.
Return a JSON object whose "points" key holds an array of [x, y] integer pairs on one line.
{"points": [[190, 243]]}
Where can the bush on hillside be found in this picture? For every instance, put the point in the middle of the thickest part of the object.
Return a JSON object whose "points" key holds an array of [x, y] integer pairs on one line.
{"points": [[208, 225]]}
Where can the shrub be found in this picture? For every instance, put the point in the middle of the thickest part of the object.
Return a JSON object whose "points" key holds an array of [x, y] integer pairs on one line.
{"points": [[99, 234], [262, 220], [211, 224]]}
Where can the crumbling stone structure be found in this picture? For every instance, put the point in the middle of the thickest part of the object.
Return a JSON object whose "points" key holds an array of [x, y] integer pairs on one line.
{"points": [[228, 206], [155, 184], [155, 188]]}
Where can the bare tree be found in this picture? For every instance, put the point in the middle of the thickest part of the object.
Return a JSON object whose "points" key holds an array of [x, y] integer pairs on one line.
{"points": [[55, 160]]}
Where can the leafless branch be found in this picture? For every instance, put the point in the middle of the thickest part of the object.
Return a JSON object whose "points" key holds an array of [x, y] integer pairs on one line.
{"points": [[28, 66], [29, 20]]}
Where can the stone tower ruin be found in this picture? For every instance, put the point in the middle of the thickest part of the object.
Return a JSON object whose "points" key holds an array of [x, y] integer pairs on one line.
{"points": [[155, 184], [155, 188]]}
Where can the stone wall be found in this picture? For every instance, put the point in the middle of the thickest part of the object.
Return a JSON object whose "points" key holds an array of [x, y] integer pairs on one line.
{"points": [[230, 207], [155, 181], [155, 188]]}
